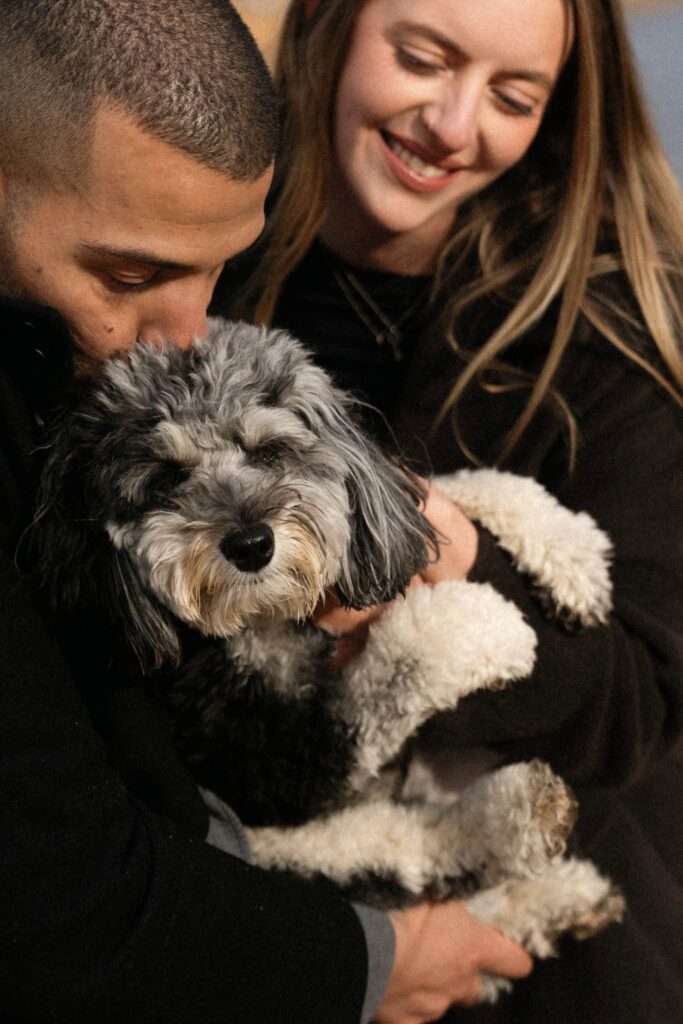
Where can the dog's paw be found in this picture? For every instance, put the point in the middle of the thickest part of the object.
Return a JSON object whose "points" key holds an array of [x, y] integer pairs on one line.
{"points": [[552, 808], [570, 897], [593, 915], [543, 809], [520, 816]]}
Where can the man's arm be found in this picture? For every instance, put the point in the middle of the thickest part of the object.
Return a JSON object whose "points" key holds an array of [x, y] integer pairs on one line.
{"points": [[110, 912]]}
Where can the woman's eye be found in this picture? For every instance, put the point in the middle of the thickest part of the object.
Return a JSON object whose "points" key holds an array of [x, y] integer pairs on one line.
{"points": [[516, 106], [414, 62]]}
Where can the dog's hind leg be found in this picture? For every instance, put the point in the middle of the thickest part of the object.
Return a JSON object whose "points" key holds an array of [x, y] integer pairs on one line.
{"points": [[570, 896], [517, 819], [425, 653], [390, 853], [384, 853]]}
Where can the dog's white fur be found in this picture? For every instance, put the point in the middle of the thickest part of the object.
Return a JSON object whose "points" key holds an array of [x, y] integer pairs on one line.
{"points": [[413, 667], [331, 499], [509, 827], [563, 551]]}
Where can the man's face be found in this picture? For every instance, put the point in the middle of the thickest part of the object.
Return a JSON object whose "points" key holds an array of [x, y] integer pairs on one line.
{"points": [[135, 252]]}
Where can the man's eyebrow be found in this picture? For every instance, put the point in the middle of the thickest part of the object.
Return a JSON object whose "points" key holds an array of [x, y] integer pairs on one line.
{"points": [[148, 259], [451, 47]]}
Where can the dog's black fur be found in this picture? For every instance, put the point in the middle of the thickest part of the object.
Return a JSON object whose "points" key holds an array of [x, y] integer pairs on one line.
{"points": [[276, 759]]}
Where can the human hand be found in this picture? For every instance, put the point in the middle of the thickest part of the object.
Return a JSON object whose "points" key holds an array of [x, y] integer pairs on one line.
{"points": [[458, 538], [441, 951]]}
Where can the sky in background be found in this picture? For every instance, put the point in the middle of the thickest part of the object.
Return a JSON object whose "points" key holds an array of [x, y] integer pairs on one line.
{"points": [[657, 37]]}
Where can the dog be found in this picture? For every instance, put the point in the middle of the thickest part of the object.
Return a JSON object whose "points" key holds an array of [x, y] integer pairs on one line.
{"points": [[227, 488]]}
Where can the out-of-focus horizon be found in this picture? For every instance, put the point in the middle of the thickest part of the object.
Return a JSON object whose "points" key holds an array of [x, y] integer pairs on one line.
{"points": [[656, 28]]}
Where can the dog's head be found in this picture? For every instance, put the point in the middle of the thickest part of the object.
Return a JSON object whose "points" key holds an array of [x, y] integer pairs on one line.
{"points": [[219, 486]]}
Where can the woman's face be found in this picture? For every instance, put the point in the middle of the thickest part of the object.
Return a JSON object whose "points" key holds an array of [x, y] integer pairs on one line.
{"points": [[437, 98]]}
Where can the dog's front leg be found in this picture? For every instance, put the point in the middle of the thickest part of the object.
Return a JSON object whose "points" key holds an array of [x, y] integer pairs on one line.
{"points": [[425, 653]]}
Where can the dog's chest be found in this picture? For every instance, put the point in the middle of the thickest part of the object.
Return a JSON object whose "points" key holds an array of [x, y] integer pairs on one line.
{"points": [[256, 720]]}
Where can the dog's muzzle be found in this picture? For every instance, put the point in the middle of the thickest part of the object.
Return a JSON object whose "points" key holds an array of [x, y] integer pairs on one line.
{"points": [[250, 549]]}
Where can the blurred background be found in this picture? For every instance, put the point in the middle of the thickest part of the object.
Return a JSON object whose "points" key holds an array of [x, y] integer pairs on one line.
{"points": [[656, 28]]}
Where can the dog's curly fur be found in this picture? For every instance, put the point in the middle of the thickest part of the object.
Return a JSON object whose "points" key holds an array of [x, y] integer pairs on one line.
{"points": [[226, 488]]}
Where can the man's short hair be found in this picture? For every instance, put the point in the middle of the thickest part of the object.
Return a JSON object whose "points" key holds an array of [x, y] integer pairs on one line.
{"points": [[187, 71]]}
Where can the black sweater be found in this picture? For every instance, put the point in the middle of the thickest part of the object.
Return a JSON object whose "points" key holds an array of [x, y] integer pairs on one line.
{"points": [[113, 907], [605, 705]]}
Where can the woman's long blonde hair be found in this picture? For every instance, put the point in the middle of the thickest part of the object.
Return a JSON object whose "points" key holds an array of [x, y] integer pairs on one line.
{"points": [[593, 197]]}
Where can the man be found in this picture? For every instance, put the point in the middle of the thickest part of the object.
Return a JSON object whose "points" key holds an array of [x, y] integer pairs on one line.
{"points": [[136, 144]]}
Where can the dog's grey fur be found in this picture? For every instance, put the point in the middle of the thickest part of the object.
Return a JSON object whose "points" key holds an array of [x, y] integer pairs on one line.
{"points": [[173, 452], [227, 488]]}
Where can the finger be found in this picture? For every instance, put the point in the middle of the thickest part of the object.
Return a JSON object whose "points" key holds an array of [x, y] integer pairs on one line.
{"points": [[346, 620], [509, 959], [472, 996], [458, 539]]}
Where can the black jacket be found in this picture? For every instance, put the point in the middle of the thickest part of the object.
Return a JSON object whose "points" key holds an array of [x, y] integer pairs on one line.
{"points": [[604, 706], [113, 906]]}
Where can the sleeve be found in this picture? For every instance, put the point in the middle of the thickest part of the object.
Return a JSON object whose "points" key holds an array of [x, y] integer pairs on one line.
{"points": [[603, 704], [109, 912], [380, 938], [226, 833]]}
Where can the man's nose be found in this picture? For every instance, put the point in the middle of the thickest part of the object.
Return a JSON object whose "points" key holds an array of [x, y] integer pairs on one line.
{"points": [[179, 317], [452, 117]]}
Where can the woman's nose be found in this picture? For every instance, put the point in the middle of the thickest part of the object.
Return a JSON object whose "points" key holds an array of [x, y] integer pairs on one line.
{"points": [[452, 118]]}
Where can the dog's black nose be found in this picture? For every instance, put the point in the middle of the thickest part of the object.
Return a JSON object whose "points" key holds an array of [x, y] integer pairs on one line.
{"points": [[249, 549]]}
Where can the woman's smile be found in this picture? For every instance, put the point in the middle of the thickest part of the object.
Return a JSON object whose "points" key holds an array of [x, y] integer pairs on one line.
{"points": [[413, 165]]}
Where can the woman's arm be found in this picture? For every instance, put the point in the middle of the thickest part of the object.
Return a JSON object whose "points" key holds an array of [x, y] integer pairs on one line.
{"points": [[603, 703]]}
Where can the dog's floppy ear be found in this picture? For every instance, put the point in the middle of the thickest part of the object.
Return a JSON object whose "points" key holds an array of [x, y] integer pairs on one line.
{"points": [[146, 626], [71, 556], [390, 538]]}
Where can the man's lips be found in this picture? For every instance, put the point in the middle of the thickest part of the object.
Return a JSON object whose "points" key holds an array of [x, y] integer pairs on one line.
{"points": [[414, 166]]}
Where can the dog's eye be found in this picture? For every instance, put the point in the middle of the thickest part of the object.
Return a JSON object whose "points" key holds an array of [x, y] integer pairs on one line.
{"points": [[267, 454], [164, 478]]}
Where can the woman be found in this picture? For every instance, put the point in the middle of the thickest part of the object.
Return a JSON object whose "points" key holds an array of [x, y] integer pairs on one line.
{"points": [[476, 230]]}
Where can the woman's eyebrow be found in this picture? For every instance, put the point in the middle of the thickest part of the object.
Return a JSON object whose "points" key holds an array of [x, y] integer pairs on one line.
{"points": [[538, 77], [428, 32]]}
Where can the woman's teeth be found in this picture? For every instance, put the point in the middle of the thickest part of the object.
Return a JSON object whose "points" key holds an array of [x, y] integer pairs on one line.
{"points": [[414, 162]]}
